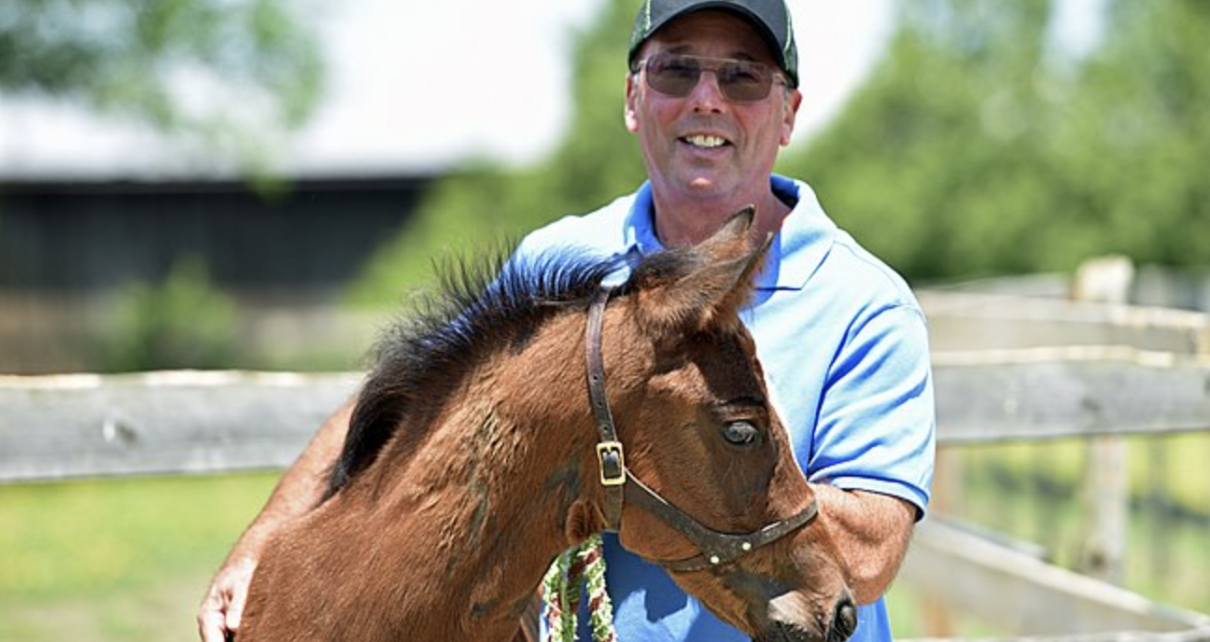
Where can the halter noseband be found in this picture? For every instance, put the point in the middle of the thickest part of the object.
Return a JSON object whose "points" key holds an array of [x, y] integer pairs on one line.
{"points": [[716, 548]]}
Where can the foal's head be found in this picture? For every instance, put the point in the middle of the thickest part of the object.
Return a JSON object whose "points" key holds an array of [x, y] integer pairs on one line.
{"points": [[694, 414]]}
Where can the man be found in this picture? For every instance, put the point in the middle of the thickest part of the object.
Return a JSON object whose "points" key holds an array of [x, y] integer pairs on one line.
{"points": [[712, 96]]}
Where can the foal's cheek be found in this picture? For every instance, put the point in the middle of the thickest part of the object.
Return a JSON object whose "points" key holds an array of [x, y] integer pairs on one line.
{"points": [[721, 599], [649, 537], [813, 558]]}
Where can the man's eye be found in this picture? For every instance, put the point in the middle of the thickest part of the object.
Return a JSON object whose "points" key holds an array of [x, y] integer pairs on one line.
{"points": [[741, 433], [680, 68], [740, 74]]}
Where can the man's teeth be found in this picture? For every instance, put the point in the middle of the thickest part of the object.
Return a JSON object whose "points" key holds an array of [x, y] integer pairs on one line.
{"points": [[706, 141]]}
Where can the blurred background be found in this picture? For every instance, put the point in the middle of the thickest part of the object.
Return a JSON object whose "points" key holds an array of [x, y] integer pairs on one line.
{"points": [[258, 184]]}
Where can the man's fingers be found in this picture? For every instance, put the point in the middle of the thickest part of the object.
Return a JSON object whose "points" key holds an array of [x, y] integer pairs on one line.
{"points": [[235, 607], [237, 593], [210, 624], [219, 617]]}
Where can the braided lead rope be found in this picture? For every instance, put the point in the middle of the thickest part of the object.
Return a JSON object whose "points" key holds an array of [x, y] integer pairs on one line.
{"points": [[584, 563], [560, 622], [600, 608]]}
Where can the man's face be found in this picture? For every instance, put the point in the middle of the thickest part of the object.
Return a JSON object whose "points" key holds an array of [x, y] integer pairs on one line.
{"points": [[680, 136]]}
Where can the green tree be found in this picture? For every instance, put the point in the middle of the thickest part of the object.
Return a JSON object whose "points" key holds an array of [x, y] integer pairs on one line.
{"points": [[183, 322], [485, 203], [1136, 143], [978, 147], [229, 74], [937, 163]]}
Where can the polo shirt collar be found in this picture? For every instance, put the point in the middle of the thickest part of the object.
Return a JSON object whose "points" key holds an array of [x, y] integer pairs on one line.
{"points": [[797, 251]]}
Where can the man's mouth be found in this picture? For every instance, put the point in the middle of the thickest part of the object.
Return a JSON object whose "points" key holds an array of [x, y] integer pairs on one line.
{"points": [[704, 141]]}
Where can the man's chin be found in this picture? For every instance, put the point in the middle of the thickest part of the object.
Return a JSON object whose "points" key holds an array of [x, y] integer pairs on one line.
{"points": [[710, 187]]}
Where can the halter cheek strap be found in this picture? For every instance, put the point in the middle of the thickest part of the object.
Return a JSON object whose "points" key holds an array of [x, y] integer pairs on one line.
{"points": [[717, 548], [611, 457]]}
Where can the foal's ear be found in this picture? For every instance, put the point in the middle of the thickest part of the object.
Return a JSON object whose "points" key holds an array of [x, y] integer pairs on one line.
{"points": [[691, 289]]}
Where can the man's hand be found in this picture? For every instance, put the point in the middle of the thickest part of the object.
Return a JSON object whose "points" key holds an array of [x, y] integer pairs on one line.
{"points": [[297, 493], [871, 531], [220, 613]]}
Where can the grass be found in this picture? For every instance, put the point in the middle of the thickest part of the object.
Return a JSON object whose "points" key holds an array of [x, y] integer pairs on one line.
{"points": [[116, 559], [129, 559]]}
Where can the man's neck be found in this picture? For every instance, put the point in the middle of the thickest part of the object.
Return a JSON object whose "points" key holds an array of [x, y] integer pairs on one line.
{"points": [[682, 224]]}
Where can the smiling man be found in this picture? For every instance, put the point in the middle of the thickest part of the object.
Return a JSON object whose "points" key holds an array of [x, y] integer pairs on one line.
{"points": [[709, 146], [712, 95]]}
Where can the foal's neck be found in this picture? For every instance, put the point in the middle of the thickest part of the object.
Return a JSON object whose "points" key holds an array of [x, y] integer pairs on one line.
{"points": [[490, 490]]}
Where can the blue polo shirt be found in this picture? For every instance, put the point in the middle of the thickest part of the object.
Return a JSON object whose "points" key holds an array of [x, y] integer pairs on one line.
{"points": [[844, 349]]}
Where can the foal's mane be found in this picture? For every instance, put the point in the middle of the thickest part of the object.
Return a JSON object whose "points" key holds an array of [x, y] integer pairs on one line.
{"points": [[478, 308]]}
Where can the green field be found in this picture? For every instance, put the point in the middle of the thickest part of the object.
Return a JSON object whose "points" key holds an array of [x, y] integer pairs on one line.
{"points": [[129, 559], [116, 559]]}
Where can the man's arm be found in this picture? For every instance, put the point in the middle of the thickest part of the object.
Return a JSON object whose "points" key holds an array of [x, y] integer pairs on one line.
{"points": [[873, 446], [871, 531], [298, 492]]}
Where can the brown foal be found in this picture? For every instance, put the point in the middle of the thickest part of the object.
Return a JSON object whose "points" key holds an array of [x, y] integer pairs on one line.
{"points": [[472, 460]]}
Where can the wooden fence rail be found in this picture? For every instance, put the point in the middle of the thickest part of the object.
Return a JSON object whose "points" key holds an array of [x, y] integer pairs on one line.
{"points": [[1080, 391], [1018, 592], [190, 422], [960, 321], [164, 422]]}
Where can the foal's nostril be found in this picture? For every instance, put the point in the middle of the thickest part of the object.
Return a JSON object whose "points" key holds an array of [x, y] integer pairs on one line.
{"points": [[844, 623]]}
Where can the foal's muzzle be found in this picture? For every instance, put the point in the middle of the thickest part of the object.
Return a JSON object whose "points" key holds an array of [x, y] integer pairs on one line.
{"points": [[842, 626]]}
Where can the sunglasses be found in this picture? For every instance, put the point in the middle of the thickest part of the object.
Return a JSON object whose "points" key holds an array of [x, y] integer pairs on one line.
{"points": [[676, 75]]}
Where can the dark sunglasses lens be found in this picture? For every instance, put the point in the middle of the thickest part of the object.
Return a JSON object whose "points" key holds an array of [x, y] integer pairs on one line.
{"points": [[744, 81], [673, 75], [738, 79]]}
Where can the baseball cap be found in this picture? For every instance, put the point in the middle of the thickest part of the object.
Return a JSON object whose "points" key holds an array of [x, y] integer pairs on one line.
{"points": [[770, 17]]}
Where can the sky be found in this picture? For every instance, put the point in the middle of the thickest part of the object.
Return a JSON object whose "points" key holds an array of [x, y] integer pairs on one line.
{"points": [[402, 98]]}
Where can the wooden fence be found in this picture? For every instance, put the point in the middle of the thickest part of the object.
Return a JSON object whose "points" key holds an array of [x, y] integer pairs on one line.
{"points": [[65, 426], [1005, 367]]}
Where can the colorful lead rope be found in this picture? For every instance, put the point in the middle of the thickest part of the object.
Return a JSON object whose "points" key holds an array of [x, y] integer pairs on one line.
{"points": [[561, 589]]}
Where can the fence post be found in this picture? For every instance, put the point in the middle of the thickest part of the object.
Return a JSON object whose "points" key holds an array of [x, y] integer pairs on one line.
{"points": [[1106, 491], [937, 618]]}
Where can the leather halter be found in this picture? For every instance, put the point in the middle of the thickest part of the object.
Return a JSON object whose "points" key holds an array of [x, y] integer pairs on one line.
{"points": [[717, 549]]}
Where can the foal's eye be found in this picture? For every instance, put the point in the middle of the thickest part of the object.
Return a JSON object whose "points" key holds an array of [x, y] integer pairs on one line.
{"points": [[741, 433]]}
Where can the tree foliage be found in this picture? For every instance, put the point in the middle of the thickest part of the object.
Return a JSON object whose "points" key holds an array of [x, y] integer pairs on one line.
{"points": [[979, 147], [228, 73], [937, 163], [1136, 147], [182, 322]]}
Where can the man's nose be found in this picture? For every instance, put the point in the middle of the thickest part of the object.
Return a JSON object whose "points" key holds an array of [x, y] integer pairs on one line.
{"points": [[707, 95]]}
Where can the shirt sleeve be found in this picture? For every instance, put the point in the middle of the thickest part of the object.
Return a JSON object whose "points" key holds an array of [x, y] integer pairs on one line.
{"points": [[876, 423]]}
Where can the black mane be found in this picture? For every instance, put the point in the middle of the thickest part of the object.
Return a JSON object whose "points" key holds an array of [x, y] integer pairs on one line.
{"points": [[421, 359]]}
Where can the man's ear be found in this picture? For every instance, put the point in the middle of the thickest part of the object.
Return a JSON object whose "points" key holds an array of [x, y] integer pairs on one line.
{"points": [[631, 109], [688, 290], [793, 99]]}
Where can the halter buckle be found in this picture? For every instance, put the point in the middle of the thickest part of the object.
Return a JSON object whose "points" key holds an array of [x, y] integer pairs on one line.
{"points": [[612, 460]]}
